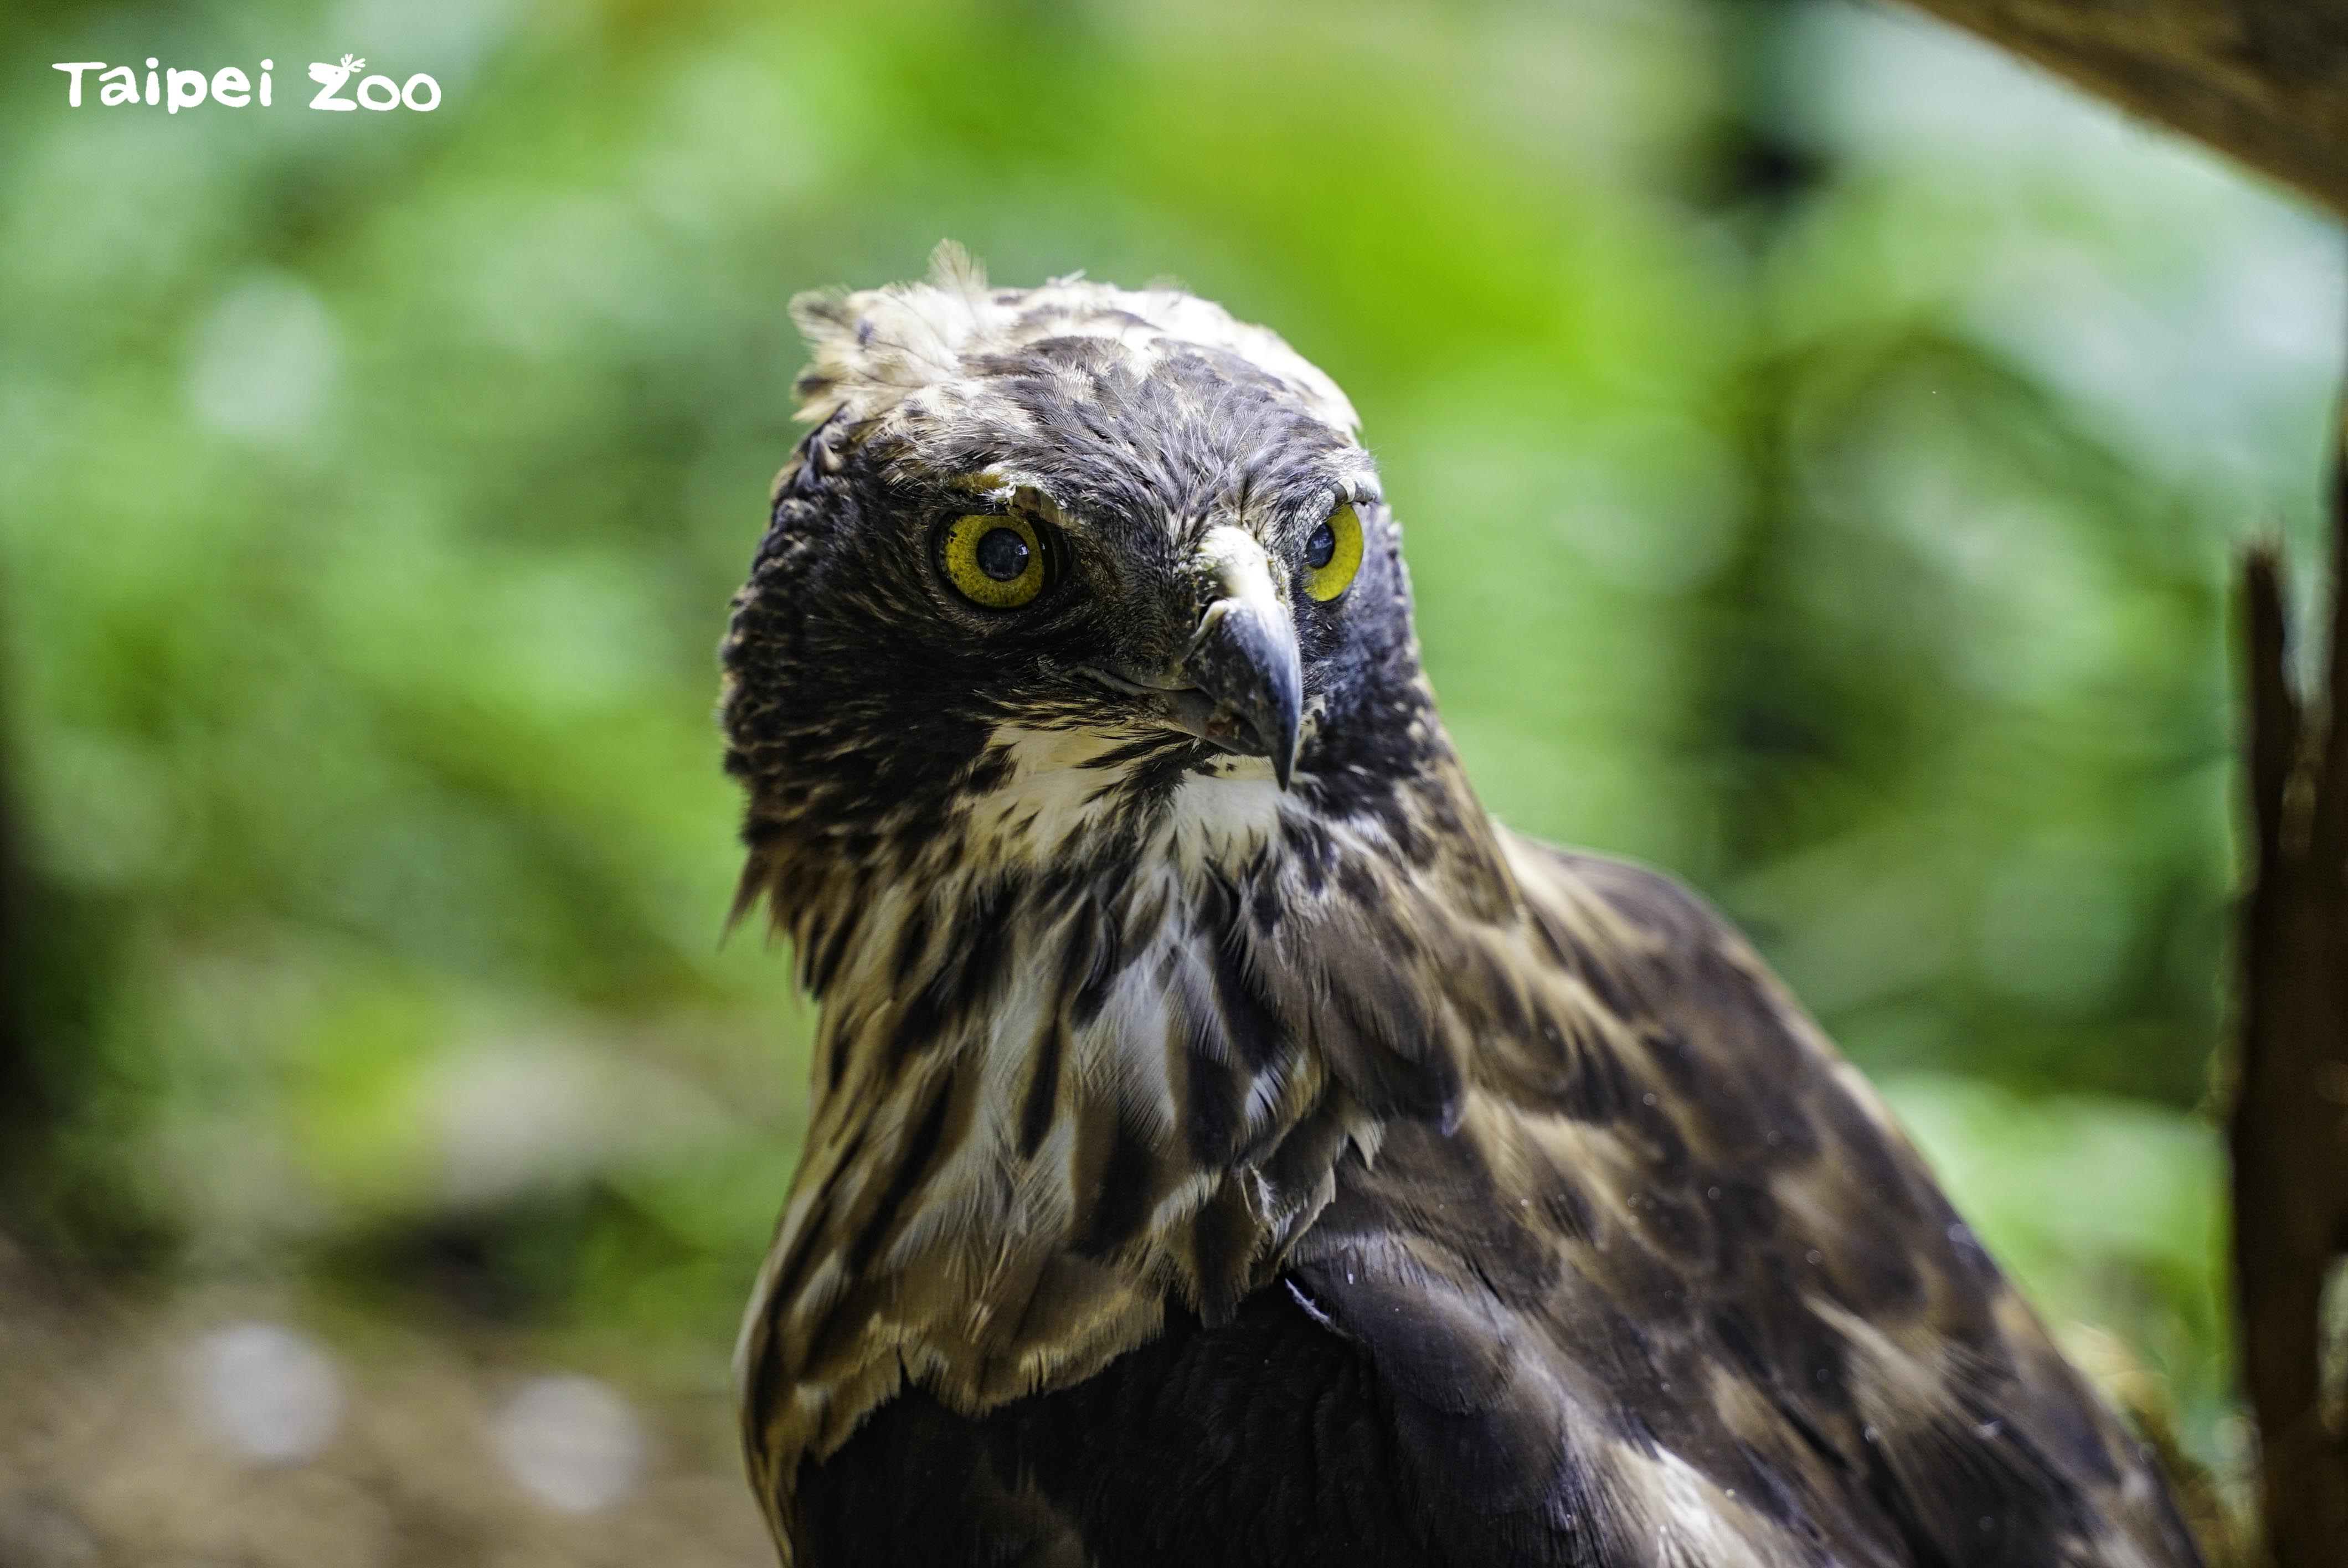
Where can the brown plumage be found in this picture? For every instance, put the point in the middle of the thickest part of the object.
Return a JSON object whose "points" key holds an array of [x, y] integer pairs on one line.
{"points": [[1229, 1144]]}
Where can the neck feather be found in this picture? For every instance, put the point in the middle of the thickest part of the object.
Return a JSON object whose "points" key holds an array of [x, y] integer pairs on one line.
{"points": [[1075, 1062]]}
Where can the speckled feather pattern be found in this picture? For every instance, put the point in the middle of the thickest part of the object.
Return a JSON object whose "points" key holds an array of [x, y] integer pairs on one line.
{"points": [[1533, 1188]]}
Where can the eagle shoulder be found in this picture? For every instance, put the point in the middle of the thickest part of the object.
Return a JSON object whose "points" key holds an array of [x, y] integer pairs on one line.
{"points": [[1676, 1288]]}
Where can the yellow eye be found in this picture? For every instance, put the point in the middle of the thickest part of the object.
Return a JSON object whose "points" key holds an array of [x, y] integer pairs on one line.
{"points": [[1332, 554], [993, 558]]}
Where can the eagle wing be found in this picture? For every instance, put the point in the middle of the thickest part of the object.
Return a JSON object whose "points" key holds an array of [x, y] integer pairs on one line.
{"points": [[1674, 1289]]}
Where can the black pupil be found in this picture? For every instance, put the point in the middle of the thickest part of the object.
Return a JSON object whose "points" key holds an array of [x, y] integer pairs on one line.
{"points": [[1002, 554], [1321, 546]]}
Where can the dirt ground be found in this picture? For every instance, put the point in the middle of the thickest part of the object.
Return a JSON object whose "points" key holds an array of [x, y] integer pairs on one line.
{"points": [[201, 1434]]}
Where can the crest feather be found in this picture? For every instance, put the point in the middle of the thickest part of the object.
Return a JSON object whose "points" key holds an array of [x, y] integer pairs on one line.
{"points": [[877, 352]]}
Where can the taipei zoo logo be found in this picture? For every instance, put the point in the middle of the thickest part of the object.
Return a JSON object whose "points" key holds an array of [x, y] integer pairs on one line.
{"points": [[174, 90]]}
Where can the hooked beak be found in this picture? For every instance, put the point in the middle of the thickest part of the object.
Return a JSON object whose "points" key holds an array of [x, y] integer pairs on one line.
{"points": [[1243, 659]]}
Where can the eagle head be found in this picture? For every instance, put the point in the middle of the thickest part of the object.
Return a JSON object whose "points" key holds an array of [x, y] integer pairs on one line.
{"points": [[1061, 573]]}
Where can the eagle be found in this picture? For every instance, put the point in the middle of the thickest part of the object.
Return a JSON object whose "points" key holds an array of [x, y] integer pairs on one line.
{"points": [[1226, 1143]]}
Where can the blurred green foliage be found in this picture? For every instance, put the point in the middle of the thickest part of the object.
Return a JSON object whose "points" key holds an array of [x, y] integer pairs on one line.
{"points": [[1820, 445]]}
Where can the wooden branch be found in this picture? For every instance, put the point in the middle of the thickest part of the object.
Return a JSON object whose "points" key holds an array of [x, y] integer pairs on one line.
{"points": [[2265, 80], [2290, 1131]]}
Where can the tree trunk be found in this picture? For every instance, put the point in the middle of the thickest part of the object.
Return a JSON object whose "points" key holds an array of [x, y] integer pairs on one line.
{"points": [[2290, 1131], [2265, 80]]}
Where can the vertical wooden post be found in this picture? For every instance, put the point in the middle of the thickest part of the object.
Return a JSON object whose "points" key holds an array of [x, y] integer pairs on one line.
{"points": [[2289, 1135]]}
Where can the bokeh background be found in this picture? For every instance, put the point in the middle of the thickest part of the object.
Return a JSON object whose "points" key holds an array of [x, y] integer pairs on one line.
{"points": [[1821, 443]]}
